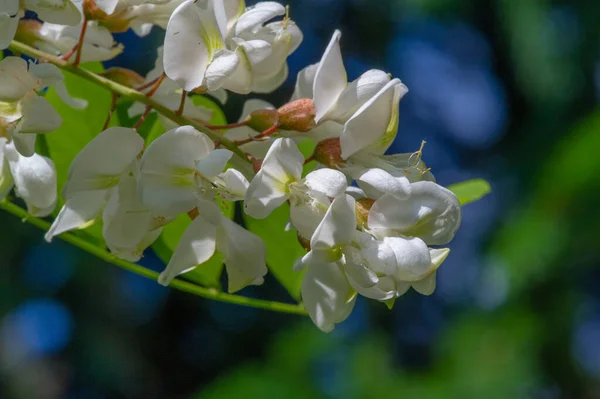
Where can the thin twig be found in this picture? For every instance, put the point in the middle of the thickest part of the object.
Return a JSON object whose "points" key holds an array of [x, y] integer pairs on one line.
{"points": [[113, 105], [81, 39], [258, 137], [181, 103], [209, 293], [143, 117], [126, 92]]}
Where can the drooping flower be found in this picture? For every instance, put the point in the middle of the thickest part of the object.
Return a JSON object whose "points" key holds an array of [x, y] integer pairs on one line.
{"points": [[210, 232], [362, 113], [34, 179], [280, 179], [181, 167], [208, 46], [95, 171]]}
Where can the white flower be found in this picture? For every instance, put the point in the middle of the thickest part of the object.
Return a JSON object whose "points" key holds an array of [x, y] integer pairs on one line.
{"points": [[205, 46], [181, 167], [210, 232], [365, 110], [128, 226], [22, 112], [63, 12], [169, 95], [9, 19], [6, 179], [280, 179], [98, 43], [96, 170], [34, 180]]}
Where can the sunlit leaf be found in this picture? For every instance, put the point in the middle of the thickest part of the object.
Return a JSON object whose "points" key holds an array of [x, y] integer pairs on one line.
{"points": [[470, 190]]}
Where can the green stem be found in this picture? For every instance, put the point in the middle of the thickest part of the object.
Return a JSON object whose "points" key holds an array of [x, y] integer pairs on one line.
{"points": [[124, 91], [181, 285]]}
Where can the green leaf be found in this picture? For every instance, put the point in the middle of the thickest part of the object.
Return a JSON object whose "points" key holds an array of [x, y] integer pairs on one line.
{"points": [[218, 117], [470, 190], [209, 273], [283, 247]]}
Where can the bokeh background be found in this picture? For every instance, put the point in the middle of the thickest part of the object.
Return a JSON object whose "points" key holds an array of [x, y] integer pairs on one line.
{"points": [[504, 90]]}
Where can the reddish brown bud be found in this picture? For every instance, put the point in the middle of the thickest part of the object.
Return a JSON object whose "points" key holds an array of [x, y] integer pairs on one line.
{"points": [[305, 242], [28, 31], [363, 206], [329, 153], [298, 115], [256, 164], [263, 119], [124, 76]]}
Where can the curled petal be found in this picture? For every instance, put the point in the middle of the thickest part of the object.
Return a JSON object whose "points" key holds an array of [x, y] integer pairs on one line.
{"points": [[304, 82], [9, 21], [254, 18], [213, 163], [62, 12], [376, 182], [412, 257], [232, 185], [39, 116], [379, 116], [35, 181], [264, 195]]}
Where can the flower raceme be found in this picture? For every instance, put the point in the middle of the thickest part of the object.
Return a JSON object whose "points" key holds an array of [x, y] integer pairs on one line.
{"points": [[373, 224]]}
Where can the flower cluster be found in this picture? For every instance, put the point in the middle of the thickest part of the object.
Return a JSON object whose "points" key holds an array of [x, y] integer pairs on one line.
{"points": [[372, 223]]}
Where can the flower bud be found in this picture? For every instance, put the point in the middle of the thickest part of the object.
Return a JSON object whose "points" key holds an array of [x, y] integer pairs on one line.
{"points": [[298, 115], [363, 206], [329, 153], [28, 31], [263, 119], [256, 164], [124, 76], [305, 242]]}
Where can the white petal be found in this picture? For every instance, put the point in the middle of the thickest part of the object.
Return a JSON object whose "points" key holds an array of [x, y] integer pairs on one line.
{"points": [[327, 295], [264, 195], [62, 12], [304, 82], [220, 69], [253, 19], [81, 209], [356, 192], [168, 168], [196, 246], [256, 50], [425, 286], [356, 94], [232, 185], [361, 275], [327, 181], [330, 77], [412, 257], [103, 160], [338, 226], [126, 221], [376, 122], [193, 35], [6, 179], [39, 116], [267, 84], [214, 163], [376, 182], [431, 212], [306, 217], [35, 181], [384, 289], [379, 255], [108, 6], [243, 254], [24, 143], [15, 80], [61, 90], [233, 10], [284, 161], [258, 149], [8, 27], [46, 74]]}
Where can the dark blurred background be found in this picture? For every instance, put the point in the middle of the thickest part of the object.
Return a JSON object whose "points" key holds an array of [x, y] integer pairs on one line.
{"points": [[504, 90]]}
